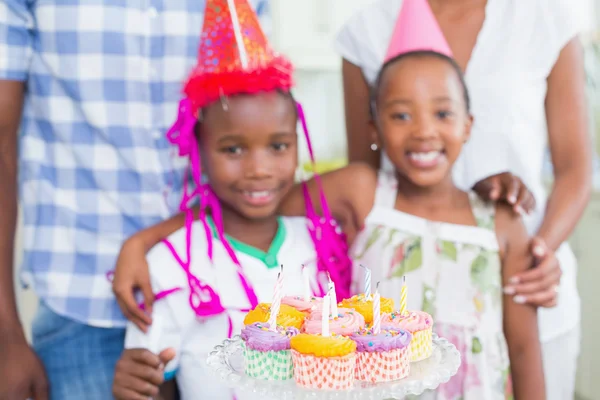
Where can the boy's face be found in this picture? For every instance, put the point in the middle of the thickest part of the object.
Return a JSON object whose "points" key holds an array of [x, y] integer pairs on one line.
{"points": [[421, 118], [249, 152]]}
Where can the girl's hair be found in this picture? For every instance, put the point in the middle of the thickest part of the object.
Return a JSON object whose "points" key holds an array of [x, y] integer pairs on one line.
{"points": [[419, 54], [285, 93]]}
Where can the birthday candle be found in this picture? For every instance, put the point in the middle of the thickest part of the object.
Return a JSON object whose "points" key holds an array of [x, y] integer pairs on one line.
{"points": [[306, 278], [367, 281], [333, 298], [325, 319], [403, 297], [376, 312], [276, 304]]}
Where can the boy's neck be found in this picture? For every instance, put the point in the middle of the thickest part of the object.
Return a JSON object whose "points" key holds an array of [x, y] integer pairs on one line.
{"points": [[257, 233]]}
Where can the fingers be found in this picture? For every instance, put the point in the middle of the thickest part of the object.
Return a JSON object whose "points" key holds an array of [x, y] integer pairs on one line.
{"points": [[547, 281], [489, 188], [141, 356], [548, 269], [146, 288], [130, 308], [167, 355], [512, 187], [39, 390], [525, 202], [121, 393], [138, 375], [547, 298]]}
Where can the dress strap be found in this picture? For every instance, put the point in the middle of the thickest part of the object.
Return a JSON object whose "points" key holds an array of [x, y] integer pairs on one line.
{"points": [[484, 212], [387, 189]]}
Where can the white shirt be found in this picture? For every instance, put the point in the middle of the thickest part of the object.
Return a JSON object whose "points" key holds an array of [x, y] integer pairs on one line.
{"points": [[518, 45], [174, 322]]}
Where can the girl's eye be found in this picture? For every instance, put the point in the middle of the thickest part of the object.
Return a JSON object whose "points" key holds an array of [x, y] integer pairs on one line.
{"points": [[280, 146], [401, 116], [235, 150], [444, 114]]}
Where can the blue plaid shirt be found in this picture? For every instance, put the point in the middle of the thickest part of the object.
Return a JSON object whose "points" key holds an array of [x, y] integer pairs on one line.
{"points": [[103, 81]]}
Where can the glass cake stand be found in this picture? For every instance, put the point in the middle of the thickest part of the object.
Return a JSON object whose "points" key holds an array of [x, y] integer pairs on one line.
{"points": [[227, 361]]}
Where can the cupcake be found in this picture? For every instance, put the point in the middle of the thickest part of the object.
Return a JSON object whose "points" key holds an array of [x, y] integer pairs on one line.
{"points": [[267, 353], [323, 362], [364, 305], [420, 324], [346, 323], [300, 304], [382, 357], [287, 317]]}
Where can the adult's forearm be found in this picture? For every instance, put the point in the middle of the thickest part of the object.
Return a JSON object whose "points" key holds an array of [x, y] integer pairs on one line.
{"points": [[569, 196], [10, 112]]}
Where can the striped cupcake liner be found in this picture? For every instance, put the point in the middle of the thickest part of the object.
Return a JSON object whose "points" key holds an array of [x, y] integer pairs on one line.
{"points": [[335, 373], [384, 366]]}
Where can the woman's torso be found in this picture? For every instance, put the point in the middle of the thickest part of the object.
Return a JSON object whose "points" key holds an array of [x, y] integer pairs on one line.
{"points": [[452, 272], [508, 89]]}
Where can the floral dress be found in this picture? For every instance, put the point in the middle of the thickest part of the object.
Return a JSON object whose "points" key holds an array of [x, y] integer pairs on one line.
{"points": [[452, 272]]}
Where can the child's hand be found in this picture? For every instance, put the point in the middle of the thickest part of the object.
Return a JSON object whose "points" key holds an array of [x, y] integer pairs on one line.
{"points": [[538, 285], [132, 273], [509, 188], [139, 374]]}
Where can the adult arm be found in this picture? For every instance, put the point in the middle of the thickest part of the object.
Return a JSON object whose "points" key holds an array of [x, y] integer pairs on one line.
{"points": [[519, 320], [11, 102], [356, 108], [21, 372], [568, 132]]}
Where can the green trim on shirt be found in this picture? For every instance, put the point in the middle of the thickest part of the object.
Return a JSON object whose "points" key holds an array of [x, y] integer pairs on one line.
{"points": [[270, 257]]}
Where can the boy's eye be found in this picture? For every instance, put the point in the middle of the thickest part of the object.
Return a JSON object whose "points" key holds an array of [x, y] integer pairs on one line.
{"points": [[401, 116], [280, 146]]}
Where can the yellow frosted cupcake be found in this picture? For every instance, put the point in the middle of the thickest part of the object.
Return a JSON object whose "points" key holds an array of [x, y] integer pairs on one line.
{"points": [[288, 316], [323, 362], [364, 305]]}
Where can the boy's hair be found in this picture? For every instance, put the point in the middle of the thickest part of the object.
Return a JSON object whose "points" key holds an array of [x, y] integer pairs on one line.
{"points": [[417, 54]]}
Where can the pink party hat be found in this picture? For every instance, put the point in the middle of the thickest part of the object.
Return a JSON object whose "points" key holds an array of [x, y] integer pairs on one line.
{"points": [[417, 30]]}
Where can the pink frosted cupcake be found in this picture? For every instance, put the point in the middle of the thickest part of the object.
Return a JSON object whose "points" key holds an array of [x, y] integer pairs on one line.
{"points": [[420, 324], [302, 305], [383, 357], [346, 323]]}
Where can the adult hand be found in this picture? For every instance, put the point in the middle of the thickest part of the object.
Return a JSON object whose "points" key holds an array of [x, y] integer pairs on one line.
{"points": [[539, 285], [509, 188], [132, 274], [139, 374], [22, 374]]}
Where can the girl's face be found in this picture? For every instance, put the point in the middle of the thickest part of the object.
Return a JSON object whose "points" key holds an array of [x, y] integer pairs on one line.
{"points": [[249, 152], [421, 118]]}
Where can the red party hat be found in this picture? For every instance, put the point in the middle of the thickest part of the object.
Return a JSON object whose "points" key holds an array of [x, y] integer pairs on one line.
{"points": [[234, 56], [417, 29]]}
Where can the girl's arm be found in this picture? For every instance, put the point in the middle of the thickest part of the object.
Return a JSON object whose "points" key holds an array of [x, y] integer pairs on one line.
{"points": [[131, 270], [568, 132], [520, 320], [356, 107], [350, 193]]}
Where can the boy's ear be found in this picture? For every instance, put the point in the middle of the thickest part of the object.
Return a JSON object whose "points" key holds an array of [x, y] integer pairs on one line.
{"points": [[468, 127]]}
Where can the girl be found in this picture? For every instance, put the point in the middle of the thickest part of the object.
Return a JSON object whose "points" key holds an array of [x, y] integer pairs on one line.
{"points": [[526, 109], [210, 273]]}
